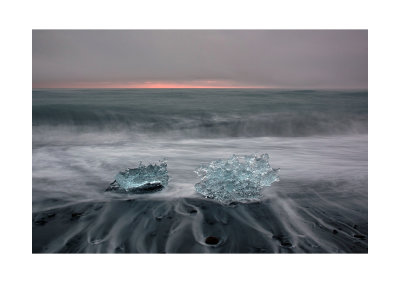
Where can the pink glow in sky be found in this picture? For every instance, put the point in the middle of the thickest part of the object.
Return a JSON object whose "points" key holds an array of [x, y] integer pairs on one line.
{"points": [[200, 59], [150, 84]]}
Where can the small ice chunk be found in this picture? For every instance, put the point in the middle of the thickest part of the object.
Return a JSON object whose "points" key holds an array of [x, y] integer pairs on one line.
{"points": [[236, 179], [143, 179]]}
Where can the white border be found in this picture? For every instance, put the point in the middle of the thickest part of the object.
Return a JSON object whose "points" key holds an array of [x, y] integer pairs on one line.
{"points": [[19, 18]]}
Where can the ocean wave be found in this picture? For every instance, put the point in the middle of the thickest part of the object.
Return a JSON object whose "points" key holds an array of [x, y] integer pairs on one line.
{"points": [[276, 124], [204, 113]]}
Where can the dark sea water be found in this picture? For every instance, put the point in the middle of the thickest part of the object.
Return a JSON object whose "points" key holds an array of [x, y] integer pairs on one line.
{"points": [[82, 138]]}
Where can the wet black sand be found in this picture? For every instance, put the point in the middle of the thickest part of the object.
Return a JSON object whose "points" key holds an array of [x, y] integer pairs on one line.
{"points": [[312, 220]]}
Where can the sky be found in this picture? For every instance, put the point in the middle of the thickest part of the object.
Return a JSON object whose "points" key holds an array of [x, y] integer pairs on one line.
{"points": [[333, 59]]}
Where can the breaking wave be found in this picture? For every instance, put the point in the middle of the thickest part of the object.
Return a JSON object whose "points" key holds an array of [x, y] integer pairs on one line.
{"points": [[204, 113], [280, 124]]}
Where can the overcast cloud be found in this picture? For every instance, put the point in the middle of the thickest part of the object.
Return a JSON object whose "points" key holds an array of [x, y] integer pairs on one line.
{"points": [[277, 58]]}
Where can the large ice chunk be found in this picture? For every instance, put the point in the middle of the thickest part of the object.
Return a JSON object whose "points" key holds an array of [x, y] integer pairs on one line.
{"points": [[239, 178], [143, 179]]}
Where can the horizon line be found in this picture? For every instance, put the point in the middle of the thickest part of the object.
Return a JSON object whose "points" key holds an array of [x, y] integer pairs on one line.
{"points": [[291, 88]]}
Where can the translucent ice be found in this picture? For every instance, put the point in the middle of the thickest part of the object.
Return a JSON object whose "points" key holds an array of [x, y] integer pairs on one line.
{"points": [[236, 179], [143, 179]]}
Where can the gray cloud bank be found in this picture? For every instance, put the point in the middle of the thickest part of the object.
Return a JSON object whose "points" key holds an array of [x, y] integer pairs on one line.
{"points": [[276, 58]]}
